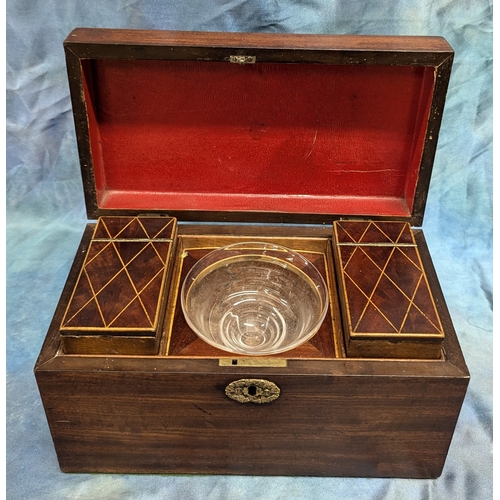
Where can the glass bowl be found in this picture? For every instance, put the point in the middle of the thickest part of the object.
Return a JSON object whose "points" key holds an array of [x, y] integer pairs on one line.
{"points": [[254, 298]]}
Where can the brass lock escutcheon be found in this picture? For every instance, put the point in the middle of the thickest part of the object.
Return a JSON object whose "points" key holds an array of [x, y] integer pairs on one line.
{"points": [[252, 390]]}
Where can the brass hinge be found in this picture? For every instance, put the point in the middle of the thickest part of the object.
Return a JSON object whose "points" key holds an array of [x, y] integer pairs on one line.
{"points": [[243, 59]]}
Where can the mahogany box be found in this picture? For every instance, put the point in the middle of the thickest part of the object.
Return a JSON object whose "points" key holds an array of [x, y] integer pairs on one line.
{"points": [[191, 141]]}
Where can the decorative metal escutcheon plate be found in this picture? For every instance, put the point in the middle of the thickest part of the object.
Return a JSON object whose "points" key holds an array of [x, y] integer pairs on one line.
{"points": [[252, 390]]}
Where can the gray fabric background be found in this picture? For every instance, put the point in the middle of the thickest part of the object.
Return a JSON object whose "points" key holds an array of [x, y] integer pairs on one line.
{"points": [[46, 218]]}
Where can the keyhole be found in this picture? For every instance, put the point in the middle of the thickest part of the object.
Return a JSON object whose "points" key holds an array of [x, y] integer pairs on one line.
{"points": [[252, 390]]}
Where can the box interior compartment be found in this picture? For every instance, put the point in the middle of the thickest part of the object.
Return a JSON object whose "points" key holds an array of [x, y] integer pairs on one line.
{"points": [[338, 337], [180, 340]]}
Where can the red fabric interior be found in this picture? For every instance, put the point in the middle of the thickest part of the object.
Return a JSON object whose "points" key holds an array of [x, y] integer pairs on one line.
{"points": [[186, 135]]}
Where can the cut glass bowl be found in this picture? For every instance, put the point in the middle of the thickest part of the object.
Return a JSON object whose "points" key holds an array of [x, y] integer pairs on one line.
{"points": [[254, 299]]}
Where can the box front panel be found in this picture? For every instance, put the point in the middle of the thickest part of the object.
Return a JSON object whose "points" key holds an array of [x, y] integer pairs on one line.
{"points": [[184, 423]]}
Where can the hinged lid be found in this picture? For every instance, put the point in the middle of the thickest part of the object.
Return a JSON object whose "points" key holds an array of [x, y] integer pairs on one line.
{"points": [[256, 127]]}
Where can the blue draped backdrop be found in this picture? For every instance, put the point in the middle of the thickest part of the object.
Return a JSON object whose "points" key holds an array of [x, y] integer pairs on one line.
{"points": [[46, 217]]}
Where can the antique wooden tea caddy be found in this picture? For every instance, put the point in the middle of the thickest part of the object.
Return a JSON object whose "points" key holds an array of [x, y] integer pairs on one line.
{"points": [[322, 144]]}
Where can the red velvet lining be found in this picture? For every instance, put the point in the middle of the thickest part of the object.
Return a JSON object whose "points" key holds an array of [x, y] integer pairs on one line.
{"points": [[175, 135]]}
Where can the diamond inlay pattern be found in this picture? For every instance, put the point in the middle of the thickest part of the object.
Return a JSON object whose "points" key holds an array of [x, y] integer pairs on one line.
{"points": [[374, 232], [385, 287], [120, 284]]}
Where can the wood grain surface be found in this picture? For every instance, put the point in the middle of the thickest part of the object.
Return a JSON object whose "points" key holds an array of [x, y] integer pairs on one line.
{"points": [[387, 304]]}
